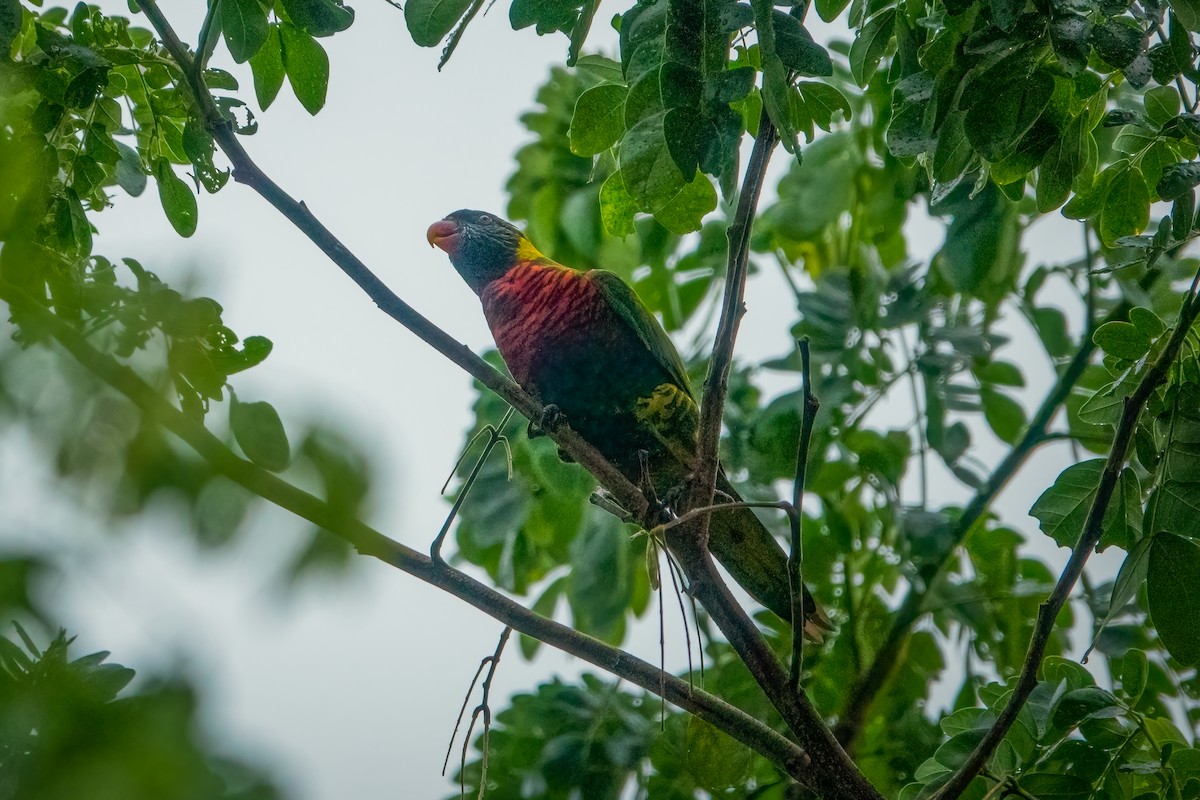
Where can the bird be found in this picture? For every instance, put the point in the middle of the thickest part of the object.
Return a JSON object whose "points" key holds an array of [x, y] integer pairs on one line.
{"points": [[584, 346]]}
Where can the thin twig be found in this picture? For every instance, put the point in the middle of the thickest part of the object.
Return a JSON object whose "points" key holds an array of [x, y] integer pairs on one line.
{"points": [[483, 662], [796, 514], [495, 436], [1093, 527], [484, 709]]}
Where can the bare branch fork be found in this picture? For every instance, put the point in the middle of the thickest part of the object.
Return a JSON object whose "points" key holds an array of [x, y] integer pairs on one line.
{"points": [[495, 435], [1092, 529], [834, 774], [484, 709]]}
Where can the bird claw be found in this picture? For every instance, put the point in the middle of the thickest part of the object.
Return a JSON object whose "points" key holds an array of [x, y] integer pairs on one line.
{"points": [[551, 420]]}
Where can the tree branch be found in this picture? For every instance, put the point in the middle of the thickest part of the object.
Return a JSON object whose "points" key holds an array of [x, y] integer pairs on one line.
{"points": [[786, 755], [1093, 527], [247, 172], [795, 558], [834, 774], [716, 385]]}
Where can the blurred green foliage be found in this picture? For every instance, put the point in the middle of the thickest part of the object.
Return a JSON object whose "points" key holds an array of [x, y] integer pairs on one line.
{"points": [[75, 726]]}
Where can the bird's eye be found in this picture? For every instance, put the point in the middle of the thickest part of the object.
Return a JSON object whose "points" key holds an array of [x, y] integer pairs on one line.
{"points": [[485, 219]]}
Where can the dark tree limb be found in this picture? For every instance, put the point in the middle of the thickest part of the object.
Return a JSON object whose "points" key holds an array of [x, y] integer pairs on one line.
{"points": [[758, 736], [716, 385], [834, 773], [1092, 529]]}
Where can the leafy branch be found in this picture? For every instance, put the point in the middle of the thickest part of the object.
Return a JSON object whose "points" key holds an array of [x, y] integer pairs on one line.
{"points": [[871, 681], [370, 542], [1093, 527]]}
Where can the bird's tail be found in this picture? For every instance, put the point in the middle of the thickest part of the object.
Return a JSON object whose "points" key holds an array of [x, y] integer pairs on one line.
{"points": [[756, 561]]}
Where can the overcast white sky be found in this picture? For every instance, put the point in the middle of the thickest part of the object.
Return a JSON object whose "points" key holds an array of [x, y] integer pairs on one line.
{"points": [[350, 692]]}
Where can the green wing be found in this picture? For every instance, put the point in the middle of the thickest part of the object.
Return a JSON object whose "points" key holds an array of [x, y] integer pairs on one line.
{"points": [[622, 299]]}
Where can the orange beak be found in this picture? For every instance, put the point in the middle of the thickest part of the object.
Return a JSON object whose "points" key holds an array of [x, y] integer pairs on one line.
{"points": [[443, 234]]}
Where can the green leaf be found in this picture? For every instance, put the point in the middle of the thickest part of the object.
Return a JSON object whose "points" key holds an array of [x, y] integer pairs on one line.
{"points": [[548, 15], [130, 174], [1126, 209], [1061, 164], [1122, 340], [1147, 322], [1062, 509], [259, 432], [10, 25], [1161, 103], [715, 760], [429, 21], [980, 253], [1175, 507], [617, 206], [796, 48], [1178, 180], [1079, 704], [1130, 577], [1135, 670], [1003, 414], [318, 17], [684, 212], [652, 178], [306, 65], [1173, 589], [995, 126], [599, 119], [1188, 13], [267, 68], [1055, 786], [177, 199], [1118, 41], [776, 91], [244, 26], [870, 45], [824, 102], [829, 10], [603, 69], [1071, 35]]}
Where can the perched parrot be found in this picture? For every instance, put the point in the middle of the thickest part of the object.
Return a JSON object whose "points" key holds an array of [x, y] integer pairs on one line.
{"points": [[584, 343]]}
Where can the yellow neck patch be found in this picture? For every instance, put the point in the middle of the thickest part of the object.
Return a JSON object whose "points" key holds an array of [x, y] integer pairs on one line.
{"points": [[526, 251]]}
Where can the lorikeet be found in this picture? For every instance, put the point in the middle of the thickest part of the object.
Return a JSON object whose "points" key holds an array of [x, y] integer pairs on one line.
{"points": [[584, 343]]}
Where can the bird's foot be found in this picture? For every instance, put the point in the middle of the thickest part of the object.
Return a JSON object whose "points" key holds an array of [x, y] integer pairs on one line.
{"points": [[551, 420]]}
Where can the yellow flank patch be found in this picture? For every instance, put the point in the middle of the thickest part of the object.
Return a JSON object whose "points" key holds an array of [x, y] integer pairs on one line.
{"points": [[526, 251], [672, 416]]}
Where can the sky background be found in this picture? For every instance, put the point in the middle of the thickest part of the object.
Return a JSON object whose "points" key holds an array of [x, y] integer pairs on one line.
{"points": [[351, 688]]}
